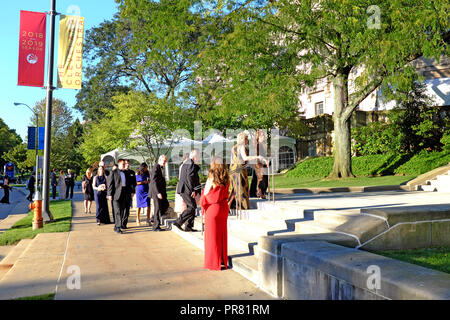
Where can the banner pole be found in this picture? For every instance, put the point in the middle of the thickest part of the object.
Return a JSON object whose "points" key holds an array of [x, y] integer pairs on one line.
{"points": [[36, 147], [46, 214]]}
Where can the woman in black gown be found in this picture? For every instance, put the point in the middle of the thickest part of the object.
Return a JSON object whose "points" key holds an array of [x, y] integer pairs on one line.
{"points": [[99, 186], [88, 191], [5, 186]]}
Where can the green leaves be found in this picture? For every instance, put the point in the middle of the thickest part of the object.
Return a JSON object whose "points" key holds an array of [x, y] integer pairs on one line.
{"points": [[8, 140], [139, 122]]}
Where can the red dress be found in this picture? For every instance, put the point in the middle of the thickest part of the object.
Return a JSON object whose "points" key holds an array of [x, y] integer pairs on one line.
{"points": [[215, 208]]}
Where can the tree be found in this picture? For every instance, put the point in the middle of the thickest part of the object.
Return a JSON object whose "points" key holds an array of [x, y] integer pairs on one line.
{"points": [[8, 140], [65, 153], [417, 121], [135, 50], [167, 34], [139, 121], [19, 155], [61, 116], [272, 49]]}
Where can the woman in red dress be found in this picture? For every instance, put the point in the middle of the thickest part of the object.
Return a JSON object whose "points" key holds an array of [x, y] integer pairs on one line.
{"points": [[214, 202]]}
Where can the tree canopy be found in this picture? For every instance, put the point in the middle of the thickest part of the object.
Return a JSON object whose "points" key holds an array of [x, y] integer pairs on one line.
{"points": [[8, 140], [269, 50]]}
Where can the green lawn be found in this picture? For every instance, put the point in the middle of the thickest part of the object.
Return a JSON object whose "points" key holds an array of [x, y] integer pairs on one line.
{"points": [[433, 258], [62, 213], [171, 193], [283, 181]]}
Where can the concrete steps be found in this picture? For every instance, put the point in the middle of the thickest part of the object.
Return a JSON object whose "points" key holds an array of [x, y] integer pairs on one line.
{"points": [[35, 271], [280, 221], [441, 183], [359, 226], [247, 266], [11, 258]]}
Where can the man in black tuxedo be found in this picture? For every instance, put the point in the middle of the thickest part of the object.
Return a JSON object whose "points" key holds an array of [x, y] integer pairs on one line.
{"points": [[119, 191], [131, 176], [158, 192], [189, 188], [70, 183], [30, 186]]}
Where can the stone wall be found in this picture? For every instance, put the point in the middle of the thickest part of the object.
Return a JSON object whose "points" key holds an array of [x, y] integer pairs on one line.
{"points": [[319, 270]]}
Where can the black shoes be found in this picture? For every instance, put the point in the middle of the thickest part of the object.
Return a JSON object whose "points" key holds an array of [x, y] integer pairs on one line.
{"points": [[176, 224], [158, 229], [118, 231], [190, 229]]}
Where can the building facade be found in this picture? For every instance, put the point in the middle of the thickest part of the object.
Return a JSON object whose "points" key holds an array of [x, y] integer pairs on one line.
{"points": [[317, 105]]}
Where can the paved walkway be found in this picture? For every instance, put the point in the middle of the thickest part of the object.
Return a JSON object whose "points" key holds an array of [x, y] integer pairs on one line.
{"points": [[18, 203], [141, 264]]}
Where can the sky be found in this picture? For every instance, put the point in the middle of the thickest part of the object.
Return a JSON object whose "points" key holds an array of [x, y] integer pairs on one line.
{"points": [[18, 117]]}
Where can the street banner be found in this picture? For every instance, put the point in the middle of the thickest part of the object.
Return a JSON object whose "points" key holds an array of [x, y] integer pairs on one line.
{"points": [[31, 145], [31, 138], [70, 52], [32, 48], [41, 138]]}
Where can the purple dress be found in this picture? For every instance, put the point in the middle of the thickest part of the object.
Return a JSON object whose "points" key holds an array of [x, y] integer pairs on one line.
{"points": [[142, 196]]}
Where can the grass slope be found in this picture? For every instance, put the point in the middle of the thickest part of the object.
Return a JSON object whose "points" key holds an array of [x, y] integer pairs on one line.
{"points": [[433, 258]]}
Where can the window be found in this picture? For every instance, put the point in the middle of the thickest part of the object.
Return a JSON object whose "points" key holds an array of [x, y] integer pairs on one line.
{"points": [[286, 157], [319, 108]]}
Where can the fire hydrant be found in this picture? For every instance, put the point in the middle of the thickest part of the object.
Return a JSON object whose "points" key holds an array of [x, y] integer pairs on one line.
{"points": [[38, 222]]}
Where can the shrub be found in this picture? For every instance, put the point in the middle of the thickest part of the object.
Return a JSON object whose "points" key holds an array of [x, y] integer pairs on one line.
{"points": [[446, 141], [414, 125], [376, 138], [172, 182], [313, 168], [423, 162]]}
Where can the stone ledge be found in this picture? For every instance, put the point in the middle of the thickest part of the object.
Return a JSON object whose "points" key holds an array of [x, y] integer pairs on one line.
{"points": [[344, 189], [329, 269], [396, 215]]}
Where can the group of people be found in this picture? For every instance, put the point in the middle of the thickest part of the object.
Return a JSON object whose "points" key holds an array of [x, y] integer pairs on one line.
{"points": [[224, 189], [63, 182]]}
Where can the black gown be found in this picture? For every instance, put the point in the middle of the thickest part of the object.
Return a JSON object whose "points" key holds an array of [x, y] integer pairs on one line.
{"points": [[89, 191], [102, 212]]}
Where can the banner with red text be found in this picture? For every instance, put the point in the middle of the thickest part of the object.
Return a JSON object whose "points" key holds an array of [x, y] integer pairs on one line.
{"points": [[70, 52], [32, 48]]}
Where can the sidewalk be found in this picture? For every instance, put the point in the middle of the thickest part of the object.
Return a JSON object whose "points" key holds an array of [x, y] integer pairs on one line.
{"points": [[141, 264], [18, 203], [16, 210]]}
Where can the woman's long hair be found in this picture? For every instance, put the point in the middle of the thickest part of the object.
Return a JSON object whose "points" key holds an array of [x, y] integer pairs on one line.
{"points": [[141, 169], [219, 172]]}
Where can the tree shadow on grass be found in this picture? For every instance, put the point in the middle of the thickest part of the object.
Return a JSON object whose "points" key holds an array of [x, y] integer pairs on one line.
{"points": [[391, 163]]}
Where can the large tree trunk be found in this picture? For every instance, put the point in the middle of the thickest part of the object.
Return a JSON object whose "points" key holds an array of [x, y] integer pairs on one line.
{"points": [[342, 138]]}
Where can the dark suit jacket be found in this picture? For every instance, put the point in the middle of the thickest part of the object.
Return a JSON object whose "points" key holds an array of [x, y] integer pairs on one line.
{"points": [[115, 189], [132, 177], [54, 181], [70, 179], [189, 178], [157, 182]]}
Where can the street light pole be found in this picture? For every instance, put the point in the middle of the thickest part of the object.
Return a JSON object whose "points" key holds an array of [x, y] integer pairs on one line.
{"points": [[46, 214], [36, 146]]}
